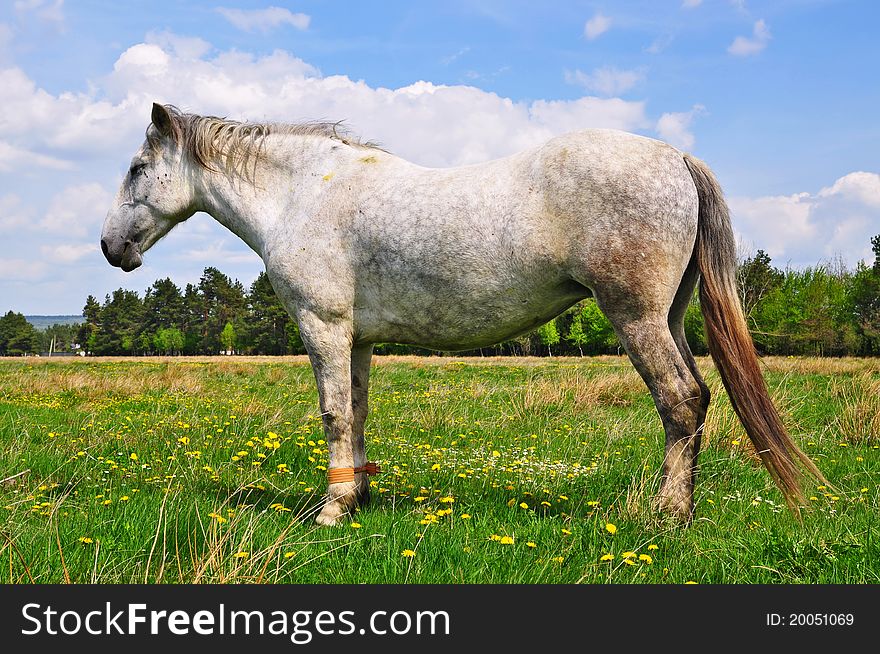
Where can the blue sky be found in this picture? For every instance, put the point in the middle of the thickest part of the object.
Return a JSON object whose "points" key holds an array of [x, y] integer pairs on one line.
{"points": [[780, 98]]}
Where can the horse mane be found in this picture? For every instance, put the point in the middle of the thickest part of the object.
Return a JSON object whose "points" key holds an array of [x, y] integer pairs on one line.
{"points": [[209, 138]]}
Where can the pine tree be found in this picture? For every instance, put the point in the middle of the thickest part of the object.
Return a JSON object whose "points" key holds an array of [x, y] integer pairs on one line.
{"points": [[17, 335]]}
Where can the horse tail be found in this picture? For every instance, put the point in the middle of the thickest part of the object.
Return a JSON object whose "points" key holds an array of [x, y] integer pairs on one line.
{"points": [[731, 345]]}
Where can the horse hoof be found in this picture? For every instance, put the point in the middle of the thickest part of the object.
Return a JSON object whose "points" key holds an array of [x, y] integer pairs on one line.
{"points": [[332, 514]]}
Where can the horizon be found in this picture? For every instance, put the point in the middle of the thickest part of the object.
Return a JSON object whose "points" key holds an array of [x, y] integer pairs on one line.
{"points": [[774, 96]]}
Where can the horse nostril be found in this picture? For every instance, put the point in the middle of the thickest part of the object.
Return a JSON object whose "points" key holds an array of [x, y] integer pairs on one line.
{"points": [[104, 247]]}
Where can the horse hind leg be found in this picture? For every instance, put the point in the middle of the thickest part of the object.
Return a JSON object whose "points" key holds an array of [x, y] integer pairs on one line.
{"points": [[677, 394], [676, 326]]}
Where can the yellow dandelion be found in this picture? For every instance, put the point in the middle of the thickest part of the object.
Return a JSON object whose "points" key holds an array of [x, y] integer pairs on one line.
{"points": [[287, 555], [558, 559], [465, 516], [241, 555], [86, 540], [629, 561], [610, 528], [652, 547], [355, 525], [531, 545], [407, 554], [506, 540], [523, 505], [646, 558], [690, 582], [628, 555], [447, 500], [133, 456], [566, 532], [606, 557], [219, 518]]}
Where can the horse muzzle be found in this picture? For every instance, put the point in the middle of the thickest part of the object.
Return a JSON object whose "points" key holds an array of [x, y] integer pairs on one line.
{"points": [[124, 254]]}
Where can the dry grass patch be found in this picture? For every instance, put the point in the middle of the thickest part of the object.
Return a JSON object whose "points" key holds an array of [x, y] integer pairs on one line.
{"points": [[94, 383], [859, 421]]}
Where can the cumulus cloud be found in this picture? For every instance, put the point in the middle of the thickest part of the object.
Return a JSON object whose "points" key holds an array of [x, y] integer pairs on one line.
{"points": [[674, 127], [81, 142], [77, 211], [432, 124], [607, 80], [264, 20], [743, 46], [596, 26], [805, 228]]}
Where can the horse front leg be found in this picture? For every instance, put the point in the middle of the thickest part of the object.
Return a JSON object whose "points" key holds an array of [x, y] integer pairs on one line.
{"points": [[360, 383], [329, 346]]}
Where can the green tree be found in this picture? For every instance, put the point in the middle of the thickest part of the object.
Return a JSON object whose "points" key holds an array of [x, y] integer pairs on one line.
{"points": [[863, 299], [120, 324], [549, 335], [168, 340], [92, 315], [756, 278], [65, 336], [576, 334], [222, 301], [17, 335], [267, 321], [227, 338]]}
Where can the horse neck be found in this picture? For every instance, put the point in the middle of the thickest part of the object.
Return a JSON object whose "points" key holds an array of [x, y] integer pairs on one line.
{"points": [[275, 185]]}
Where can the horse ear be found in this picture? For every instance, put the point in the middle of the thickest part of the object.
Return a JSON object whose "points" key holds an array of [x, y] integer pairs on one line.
{"points": [[162, 120]]}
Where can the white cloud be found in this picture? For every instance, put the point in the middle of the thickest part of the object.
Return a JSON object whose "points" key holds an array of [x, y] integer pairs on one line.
{"points": [[691, 4], [607, 80], [52, 12], [451, 58], [69, 252], [596, 26], [92, 134], [264, 20], [744, 46], [14, 216], [859, 186], [77, 211], [22, 270], [675, 127], [184, 47], [659, 44], [432, 124], [14, 158], [806, 228]]}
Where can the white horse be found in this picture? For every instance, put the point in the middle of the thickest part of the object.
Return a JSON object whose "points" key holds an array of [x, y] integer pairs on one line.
{"points": [[363, 247]]}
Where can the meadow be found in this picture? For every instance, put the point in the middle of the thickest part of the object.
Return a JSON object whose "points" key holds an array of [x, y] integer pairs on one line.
{"points": [[495, 470]]}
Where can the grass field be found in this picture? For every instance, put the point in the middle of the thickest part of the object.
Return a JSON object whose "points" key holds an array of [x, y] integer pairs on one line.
{"points": [[495, 471]]}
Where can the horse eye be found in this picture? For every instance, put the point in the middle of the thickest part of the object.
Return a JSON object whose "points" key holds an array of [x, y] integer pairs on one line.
{"points": [[135, 169]]}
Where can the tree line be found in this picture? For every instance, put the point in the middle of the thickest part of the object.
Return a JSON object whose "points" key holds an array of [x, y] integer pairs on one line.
{"points": [[825, 310]]}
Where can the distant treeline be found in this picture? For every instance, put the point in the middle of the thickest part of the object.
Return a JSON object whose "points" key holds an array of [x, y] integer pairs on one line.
{"points": [[823, 310]]}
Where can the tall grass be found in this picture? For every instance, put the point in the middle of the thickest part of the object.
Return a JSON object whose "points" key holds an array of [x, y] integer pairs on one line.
{"points": [[496, 470]]}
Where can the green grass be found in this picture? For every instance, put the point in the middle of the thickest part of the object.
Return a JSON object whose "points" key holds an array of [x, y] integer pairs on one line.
{"points": [[211, 470]]}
